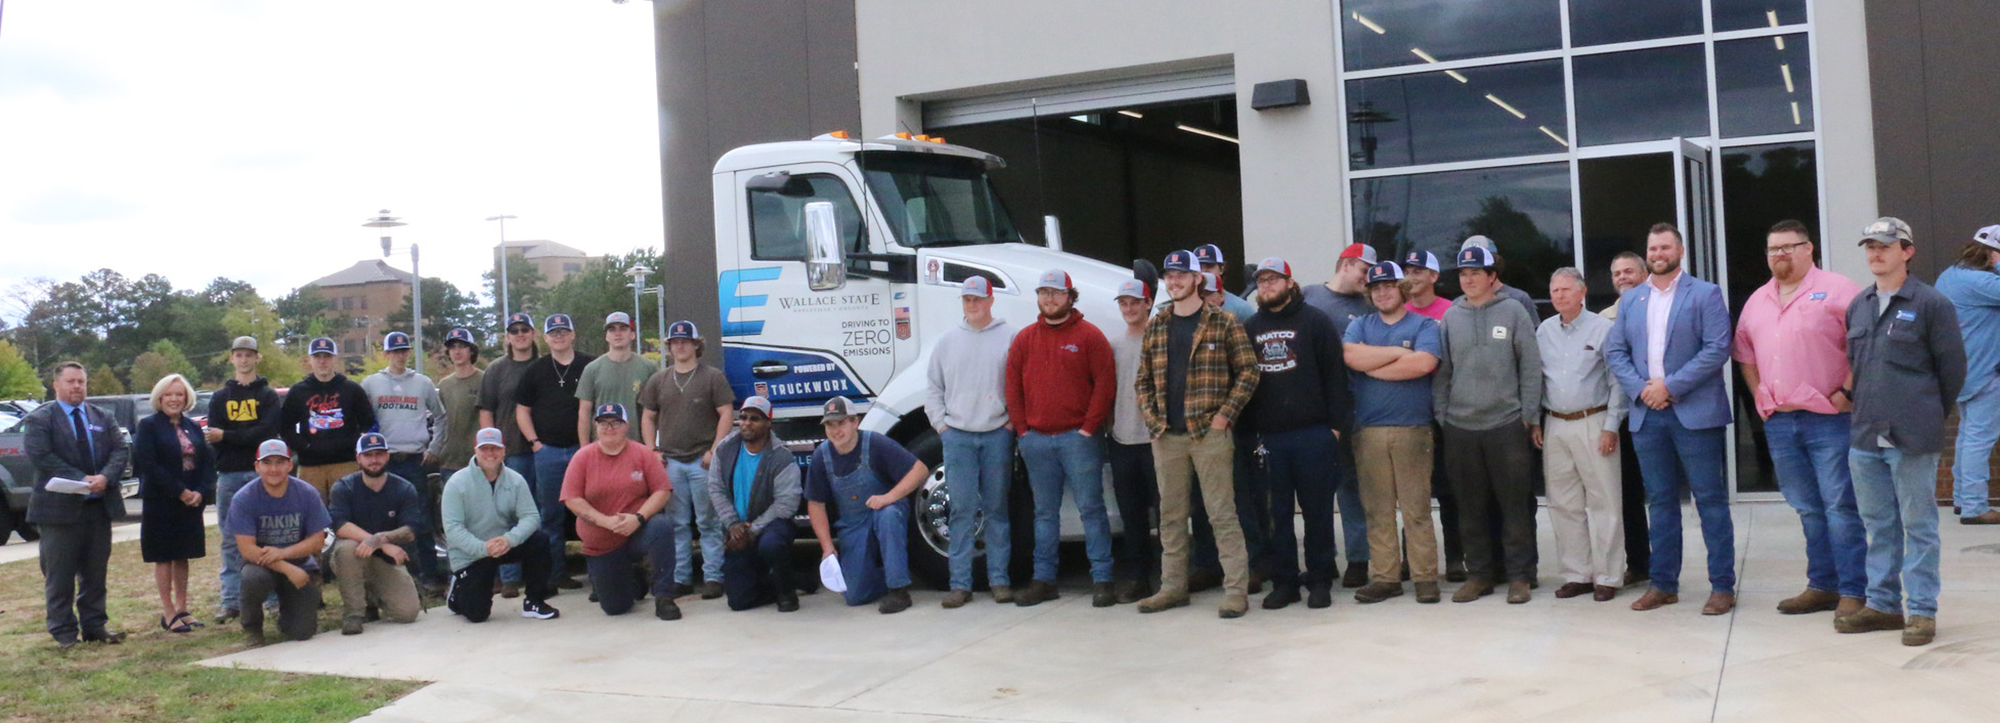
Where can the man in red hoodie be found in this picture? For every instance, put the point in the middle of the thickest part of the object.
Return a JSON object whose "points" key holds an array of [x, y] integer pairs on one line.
{"points": [[1061, 380]]}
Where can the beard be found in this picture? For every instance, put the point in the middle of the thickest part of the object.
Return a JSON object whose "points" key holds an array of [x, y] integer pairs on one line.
{"points": [[1281, 300], [1059, 314], [1664, 267]]}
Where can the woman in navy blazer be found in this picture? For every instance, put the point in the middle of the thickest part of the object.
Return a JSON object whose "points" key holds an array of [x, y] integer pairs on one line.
{"points": [[176, 469]]}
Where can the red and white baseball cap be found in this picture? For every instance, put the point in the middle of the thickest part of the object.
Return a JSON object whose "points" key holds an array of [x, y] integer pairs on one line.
{"points": [[1274, 265], [1359, 251], [977, 286], [1209, 283], [1055, 279], [1135, 289]]}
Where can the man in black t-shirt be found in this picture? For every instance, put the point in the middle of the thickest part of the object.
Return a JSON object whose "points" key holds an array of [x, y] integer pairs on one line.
{"points": [[546, 413]]}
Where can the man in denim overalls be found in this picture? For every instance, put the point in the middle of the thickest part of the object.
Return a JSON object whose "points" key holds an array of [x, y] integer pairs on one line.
{"points": [[851, 471]]}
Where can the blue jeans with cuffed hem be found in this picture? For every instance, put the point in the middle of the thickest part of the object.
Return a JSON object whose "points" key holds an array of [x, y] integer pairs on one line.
{"points": [[1978, 429], [1673, 457], [1809, 455], [1074, 462], [978, 470], [1895, 492]]}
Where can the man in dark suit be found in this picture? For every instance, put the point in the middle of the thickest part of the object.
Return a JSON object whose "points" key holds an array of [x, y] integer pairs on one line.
{"points": [[1668, 350], [74, 441]]}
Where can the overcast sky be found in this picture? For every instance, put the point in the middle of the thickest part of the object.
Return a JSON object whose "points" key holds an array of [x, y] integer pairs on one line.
{"points": [[251, 138]]}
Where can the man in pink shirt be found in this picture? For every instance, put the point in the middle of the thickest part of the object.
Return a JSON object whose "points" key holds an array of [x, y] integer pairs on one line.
{"points": [[1420, 277], [1792, 344]]}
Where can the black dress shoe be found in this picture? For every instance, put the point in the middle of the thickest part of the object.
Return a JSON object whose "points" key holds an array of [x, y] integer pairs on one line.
{"points": [[1356, 575], [788, 603], [1319, 595], [1281, 596]]}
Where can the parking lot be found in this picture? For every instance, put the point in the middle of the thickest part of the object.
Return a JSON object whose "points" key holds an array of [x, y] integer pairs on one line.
{"points": [[1065, 661]]}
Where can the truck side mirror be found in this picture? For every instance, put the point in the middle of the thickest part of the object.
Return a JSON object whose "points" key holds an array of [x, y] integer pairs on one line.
{"points": [[826, 266]]}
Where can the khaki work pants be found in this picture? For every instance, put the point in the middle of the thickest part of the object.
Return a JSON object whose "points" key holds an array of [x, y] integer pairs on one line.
{"points": [[1394, 464], [1179, 462], [373, 579]]}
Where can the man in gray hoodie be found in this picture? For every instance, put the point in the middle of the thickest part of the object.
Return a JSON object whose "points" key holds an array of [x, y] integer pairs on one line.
{"points": [[406, 404], [755, 492], [967, 402], [1487, 395]]}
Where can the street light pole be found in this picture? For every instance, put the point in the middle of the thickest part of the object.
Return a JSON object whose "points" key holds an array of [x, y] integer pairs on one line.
{"points": [[385, 221], [505, 311], [638, 273]]}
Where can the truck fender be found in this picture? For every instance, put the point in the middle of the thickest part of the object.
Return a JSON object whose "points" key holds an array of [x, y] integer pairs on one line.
{"points": [[903, 395]]}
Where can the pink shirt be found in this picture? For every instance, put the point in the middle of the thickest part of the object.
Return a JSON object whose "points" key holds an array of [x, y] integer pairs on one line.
{"points": [[1800, 349], [1435, 311]]}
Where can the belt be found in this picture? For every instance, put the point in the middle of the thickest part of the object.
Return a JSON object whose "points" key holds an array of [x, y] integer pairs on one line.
{"points": [[1573, 416]]}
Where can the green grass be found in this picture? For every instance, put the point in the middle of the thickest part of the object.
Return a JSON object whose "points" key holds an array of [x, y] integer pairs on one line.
{"points": [[152, 678]]}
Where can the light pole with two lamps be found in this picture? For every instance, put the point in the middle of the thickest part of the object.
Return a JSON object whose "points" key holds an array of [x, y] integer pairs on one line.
{"points": [[386, 221]]}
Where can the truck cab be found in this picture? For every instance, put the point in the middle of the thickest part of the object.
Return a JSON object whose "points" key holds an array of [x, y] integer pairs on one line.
{"points": [[840, 263]]}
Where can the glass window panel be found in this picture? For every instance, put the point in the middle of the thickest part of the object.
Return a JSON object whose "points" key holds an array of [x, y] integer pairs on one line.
{"points": [[1621, 197], [1762, 185], [1461, 115], [1746, 14], [1524, 209], [1599, 22], [1763, 85], [1641, 95], [1389, 33]]}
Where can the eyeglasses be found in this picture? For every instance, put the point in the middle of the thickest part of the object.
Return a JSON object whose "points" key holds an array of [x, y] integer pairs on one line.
{"points": [[521, 330], [1785, 249]]}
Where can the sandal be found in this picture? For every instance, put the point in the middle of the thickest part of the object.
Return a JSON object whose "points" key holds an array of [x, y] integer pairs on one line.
{"points": [[175, 624], [191, 622]]}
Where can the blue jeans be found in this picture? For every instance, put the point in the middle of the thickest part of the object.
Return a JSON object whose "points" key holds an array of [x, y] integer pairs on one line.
{"points": [[689, 508], [874, 551], [617, 583], [1978, 429], [1894, 491], [226, 485], [1672, 458], [550, 465], [1068, 460], [1809, 454], [979, 469], [524, 465], [423, 552]]}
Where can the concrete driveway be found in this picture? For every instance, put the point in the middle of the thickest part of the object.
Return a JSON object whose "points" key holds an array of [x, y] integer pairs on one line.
{"points": [[1065, 661]]}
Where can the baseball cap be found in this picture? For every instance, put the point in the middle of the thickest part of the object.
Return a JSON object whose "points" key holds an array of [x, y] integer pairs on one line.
{"points": [[489, 437], [977, 286], [1181, 261], [614, 410], [395, 340], [1887, 229], [520, 317], [682, 329], [1475, 257], [617, 317], [1274, 265], [1424, 259], [1481, 242], [371, 442], [758, 403], [1385, 272], [1359, 251], [244, 342], [321, 345], [1133, 288], [461, 335], [1054, 279], [273, 448], [1989, 236], [837, 408], [1208, 254], [557, 321], [1209, 282]]}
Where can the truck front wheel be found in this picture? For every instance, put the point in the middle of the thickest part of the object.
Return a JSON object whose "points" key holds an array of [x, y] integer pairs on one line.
{"points": [[930, 521]]}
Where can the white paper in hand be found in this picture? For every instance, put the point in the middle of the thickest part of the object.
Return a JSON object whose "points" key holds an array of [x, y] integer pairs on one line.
{"points": [[829, 574], [68, 486]]}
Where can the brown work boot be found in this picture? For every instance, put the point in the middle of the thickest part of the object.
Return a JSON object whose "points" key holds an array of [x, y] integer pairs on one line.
{"points": [[1036, 593], [1810, 601], [1849, 606], [1002, 594], [1131, 591], [957, 598], [1163, 600], [1654, 598], [1719, 603], [1989, 517], [1473, 589], [1375, 592], [1517, 592], [1234, 605], [1867, 620], [1573, 589], [1920, 630], [1427, 592], [1604, 593]]}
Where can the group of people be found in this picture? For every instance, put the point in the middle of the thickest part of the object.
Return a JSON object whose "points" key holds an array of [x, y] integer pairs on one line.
{"points": [[1227, 424]]}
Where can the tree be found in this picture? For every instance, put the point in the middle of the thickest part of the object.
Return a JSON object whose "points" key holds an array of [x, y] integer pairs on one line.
{"points": [[280, 368], [160, 360], [593, 293], [445, 307], [103, 381], [526, 286], [222, 291], [302, 313], [17, 377]]}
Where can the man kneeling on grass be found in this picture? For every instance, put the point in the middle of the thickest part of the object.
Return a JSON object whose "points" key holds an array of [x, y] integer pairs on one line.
{"points": [[280, 526], [490, 520], [375, 513]]}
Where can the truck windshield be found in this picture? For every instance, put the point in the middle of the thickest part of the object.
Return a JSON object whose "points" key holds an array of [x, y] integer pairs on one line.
{"points": [[936, 200]]}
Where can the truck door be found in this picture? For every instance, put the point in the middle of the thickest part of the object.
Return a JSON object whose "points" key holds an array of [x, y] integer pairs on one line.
{"points": [[793, 332]]}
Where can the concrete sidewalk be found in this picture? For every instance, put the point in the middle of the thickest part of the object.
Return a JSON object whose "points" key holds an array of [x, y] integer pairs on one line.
{"points": [[1065, 661]]}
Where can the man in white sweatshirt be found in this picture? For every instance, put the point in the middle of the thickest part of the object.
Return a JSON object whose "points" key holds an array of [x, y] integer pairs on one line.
{"points": [[406, 405], [967, 403]]}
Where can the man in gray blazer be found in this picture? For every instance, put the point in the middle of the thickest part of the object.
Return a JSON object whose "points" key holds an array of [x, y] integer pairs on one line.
{"points": [[74, 441], [1669, 349]]}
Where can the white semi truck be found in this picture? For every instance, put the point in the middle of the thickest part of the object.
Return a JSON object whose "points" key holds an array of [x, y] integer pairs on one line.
{"points": [[840, 263]]}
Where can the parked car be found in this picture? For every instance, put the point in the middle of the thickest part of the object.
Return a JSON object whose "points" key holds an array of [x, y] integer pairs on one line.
{"points": [[17, 474]]}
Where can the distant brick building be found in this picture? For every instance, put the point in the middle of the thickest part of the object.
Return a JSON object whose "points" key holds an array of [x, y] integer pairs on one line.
{"points": [[368, 291], [554, 260]]}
